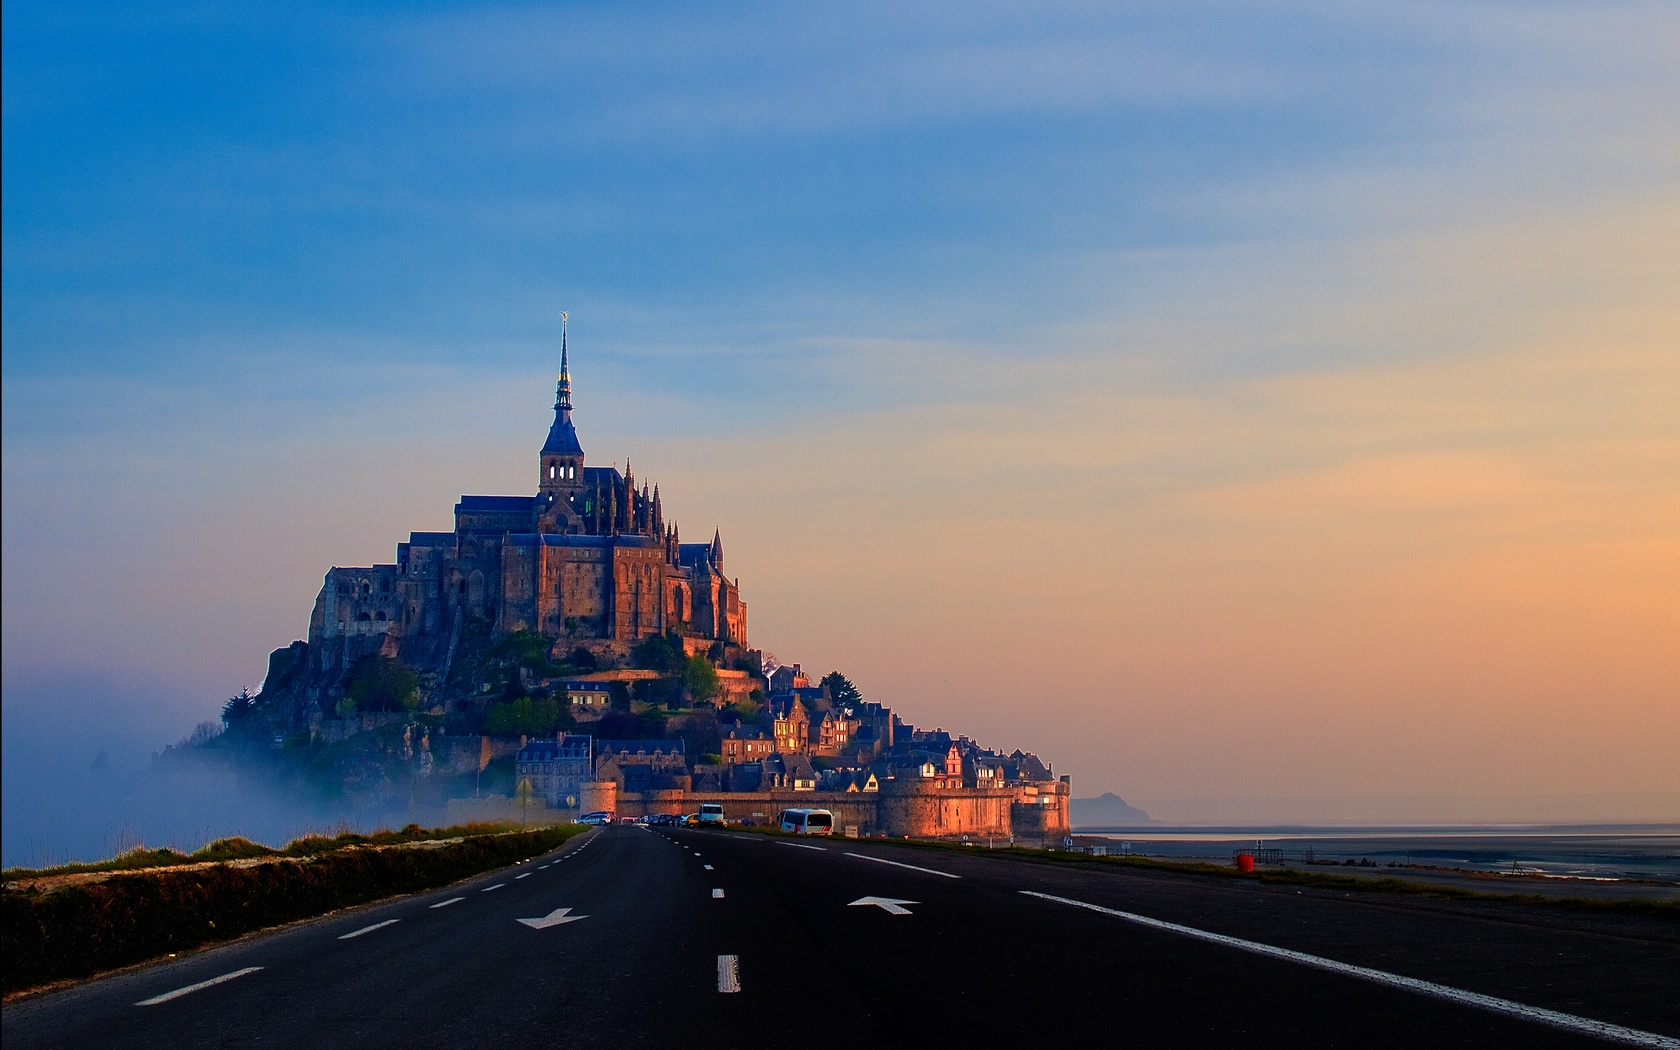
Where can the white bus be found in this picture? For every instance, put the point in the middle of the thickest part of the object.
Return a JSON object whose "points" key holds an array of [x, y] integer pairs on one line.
{"points": [[808, 821]]}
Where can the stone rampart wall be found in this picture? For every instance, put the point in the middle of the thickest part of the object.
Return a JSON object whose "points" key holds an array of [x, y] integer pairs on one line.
{"points": [[907, 808]]}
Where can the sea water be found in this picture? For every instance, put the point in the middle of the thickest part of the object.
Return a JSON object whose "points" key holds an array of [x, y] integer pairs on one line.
{"points": [[1597, 851]]}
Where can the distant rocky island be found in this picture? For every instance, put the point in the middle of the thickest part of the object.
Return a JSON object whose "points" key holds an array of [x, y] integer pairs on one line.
{"points": [[1107, 810], [567, 652]]}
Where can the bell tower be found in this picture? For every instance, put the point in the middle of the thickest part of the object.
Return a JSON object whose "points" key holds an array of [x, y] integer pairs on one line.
{"points": [[562, 456], [560, 483]]}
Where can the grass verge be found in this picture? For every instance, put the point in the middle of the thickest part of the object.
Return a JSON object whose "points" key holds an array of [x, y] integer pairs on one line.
{"points": [[79, 931], [237, 848]]}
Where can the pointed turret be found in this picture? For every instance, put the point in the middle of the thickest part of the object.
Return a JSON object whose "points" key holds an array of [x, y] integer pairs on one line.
{"points": [[562, 436], [717, 550], [562, 455]]}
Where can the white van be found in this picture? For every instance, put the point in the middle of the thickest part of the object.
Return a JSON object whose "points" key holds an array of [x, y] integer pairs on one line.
{"points": [[711, 815], [808, 821]]}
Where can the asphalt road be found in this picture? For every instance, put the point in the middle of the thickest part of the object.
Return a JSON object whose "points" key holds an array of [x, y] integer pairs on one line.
{"points": [[699, 939]]}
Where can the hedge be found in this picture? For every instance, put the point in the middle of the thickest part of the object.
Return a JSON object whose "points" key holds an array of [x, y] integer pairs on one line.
{"points": [[82, 930]]}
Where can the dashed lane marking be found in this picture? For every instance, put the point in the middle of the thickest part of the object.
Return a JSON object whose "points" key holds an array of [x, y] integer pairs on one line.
{"points": [[897, 864], [369, 929], [199, 987], [447, 903], [708, 867], [717, 894], [803, 845], [497, 886], [729, 973], [524, 876], [1550, 1018]]}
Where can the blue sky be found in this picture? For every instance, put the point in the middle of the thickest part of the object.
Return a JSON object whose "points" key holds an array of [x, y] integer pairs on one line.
{"points": [[280, 282]]}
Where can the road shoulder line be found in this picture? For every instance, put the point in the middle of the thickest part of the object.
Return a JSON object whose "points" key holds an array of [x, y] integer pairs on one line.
{"points": [[199, 987], [901, 864], [1539, 1015]]}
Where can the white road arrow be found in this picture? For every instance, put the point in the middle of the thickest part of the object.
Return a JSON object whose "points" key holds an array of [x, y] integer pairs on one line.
{"points": [[553, 918], [886, 904]]}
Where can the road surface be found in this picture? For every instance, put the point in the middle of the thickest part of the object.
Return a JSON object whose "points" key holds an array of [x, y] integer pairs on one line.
{"points": [[631, 937]]}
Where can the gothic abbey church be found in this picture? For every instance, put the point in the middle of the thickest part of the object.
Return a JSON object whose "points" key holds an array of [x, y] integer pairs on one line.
{"points": [[589, 560]]}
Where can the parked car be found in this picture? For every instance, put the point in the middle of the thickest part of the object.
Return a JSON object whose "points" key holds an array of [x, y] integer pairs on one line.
{"points": [[598, 819], [808, 821], [711, 815]]}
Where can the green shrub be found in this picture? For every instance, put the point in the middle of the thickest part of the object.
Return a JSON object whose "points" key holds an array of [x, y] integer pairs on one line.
{"points": [[701, 678], [82, 930], [235, 848], [525, 717], [381, 683]]}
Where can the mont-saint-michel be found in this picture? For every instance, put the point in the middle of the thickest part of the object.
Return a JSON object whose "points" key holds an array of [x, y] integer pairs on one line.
{"points": [[567, 650]]}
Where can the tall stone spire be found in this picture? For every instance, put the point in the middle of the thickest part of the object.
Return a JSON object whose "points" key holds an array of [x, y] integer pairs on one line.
{"points": [[562, 436], [563, 390]]}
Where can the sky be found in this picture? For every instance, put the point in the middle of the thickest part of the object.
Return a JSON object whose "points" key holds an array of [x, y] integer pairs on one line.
{"points": [[1263, 411]]}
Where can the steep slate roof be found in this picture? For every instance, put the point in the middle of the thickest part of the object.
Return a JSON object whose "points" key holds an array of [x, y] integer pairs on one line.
{"points": [[695, 556], [549, 749], [562, 436]]}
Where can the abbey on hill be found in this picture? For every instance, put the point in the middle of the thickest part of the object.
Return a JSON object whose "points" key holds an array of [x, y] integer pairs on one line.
{"points": [[589, 560], [568, 649]]}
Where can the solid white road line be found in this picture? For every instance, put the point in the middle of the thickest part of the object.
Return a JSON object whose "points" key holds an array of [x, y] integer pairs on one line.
{"points": [[896, 864], [717, 894], [803, 845], [199, 987], [497, 886], [1551, 1018], [447, 903], [369, 929], [729, 973]]}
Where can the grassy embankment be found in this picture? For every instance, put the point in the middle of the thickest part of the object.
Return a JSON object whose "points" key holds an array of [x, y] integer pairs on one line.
{"points": [[1395, 885], [237, 848], [132, 916]]}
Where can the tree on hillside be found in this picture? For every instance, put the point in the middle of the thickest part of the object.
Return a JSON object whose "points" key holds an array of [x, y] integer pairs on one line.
{"points": [[381, 683], [662, 653], [840, 690], [701, 679], [526, 716], [239, 709]]}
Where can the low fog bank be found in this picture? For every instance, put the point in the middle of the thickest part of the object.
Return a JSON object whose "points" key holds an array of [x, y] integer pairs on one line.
{"points": [[62, 803]]}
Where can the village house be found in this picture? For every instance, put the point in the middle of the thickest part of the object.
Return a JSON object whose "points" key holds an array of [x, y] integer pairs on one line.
{"points": [[556, 768], [746, 745]]}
